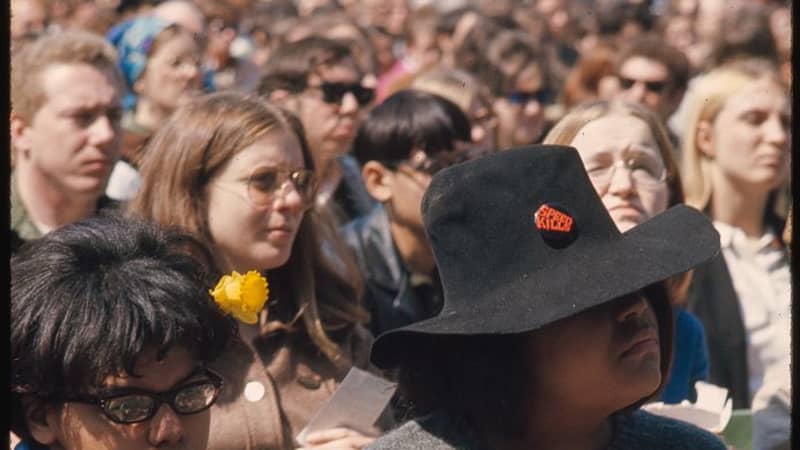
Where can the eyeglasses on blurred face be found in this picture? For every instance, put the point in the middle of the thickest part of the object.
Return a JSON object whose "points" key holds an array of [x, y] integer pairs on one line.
{"points": [[264, 183], [656, 87], [334, 93], [130, 405], [646, 171], [522, 97], [420, 161]]}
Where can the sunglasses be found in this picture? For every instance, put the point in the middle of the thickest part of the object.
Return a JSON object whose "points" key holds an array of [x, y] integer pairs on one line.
{"points": [[333, 93], [656, 87], [263, 183], [523, 97], [135, 405]]}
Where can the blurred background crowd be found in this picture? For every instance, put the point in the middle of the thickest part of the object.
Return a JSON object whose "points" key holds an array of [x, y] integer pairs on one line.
{"points": [[364, 101]]}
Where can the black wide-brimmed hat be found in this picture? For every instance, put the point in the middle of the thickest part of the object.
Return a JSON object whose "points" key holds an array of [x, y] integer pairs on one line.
{"points": [[521, 239]]}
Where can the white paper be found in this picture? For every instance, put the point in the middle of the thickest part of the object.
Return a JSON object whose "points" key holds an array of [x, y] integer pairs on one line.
{"points": [[357, 403], [712, 411]]}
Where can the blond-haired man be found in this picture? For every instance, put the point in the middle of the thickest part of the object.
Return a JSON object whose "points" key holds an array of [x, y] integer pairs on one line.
{"points": [[65, 130]]}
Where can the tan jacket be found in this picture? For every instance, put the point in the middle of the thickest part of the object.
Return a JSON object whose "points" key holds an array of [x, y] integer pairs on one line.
{"points": [[274, 386]]}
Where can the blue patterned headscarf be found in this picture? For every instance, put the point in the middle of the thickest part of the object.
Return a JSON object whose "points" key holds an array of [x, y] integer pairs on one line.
{"points": [[133, 40]]}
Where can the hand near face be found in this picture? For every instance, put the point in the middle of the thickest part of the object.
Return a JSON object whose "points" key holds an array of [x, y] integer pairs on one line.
{"points": [[336, 438]]}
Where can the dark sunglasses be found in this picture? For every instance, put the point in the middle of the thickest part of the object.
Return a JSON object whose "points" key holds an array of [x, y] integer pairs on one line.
{"points": [[656, 87], [334, 92], [135, 405], [523, 97]]}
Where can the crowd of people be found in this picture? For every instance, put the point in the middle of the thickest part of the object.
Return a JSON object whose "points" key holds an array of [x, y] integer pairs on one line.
{"points": [[533, 216]]}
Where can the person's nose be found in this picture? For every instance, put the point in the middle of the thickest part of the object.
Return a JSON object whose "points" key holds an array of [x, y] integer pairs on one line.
{"points": [[620, 183], [191, 71], [102, 131], [775, 131], [631, 308], [349, 104], [636, 92], [288, 197], [478, 133], [165, 427], [532, 108]]}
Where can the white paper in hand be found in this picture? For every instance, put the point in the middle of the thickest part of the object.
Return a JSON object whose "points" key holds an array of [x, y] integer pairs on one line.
{"points": [[356, 404], [712, 411]]}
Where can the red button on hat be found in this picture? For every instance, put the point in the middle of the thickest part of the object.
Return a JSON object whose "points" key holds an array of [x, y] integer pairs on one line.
{"points": [[556, 225]]}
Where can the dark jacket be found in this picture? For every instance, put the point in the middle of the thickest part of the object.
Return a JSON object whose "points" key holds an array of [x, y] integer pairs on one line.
{"points": [[389, 296], [713, 300]]}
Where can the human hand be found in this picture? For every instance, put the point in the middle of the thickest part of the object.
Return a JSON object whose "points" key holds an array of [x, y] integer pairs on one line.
{"points": [[336, 438]]}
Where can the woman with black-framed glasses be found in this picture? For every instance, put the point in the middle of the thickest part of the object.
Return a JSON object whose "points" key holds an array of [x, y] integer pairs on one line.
{"points": [[112, 330]]}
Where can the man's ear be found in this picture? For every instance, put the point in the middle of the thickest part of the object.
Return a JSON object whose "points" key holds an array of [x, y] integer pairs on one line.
{"points": [[39, 422], [20, 137], [704, 140], [379, 181]]}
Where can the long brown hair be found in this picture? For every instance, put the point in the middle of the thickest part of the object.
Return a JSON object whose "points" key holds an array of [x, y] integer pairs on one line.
{"points": [[189, 150]]}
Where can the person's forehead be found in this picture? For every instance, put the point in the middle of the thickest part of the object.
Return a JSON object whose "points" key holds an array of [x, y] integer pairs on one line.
{"points": [[80, 84], [345, 70], [155, 374], [615, 129], [762, 94], [644, 68], [530, 78]]}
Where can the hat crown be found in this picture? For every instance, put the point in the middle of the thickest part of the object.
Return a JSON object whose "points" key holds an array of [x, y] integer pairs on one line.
{"points": [[480, 217]]}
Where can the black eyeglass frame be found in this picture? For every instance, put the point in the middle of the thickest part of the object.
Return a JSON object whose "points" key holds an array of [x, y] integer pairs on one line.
{"points": [[333, 93], [159, 398], [656, 87]]}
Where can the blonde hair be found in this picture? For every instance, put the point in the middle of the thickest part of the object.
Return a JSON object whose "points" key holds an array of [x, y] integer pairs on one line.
{"points": [[564, 132], [708, 97], [67, 47], [185, 154]]}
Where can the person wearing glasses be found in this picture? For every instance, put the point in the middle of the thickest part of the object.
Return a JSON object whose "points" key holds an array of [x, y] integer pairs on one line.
{"points": [[518, 78], [160, 62], [630, 163], [655, 74], [555, 327], [112, 333], [319, 80], [402, 143], [235, 172]]}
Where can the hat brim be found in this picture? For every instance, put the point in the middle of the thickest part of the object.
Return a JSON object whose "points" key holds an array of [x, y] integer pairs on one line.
{"points": [[673, 242]]}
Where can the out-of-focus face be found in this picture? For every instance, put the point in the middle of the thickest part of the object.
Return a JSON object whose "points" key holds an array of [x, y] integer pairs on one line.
{"points": [[330, 127], [616, 342], [520, 112], [173, 74], [750, 137], [623, 161], [80, 426], [392, 15], [646, 81], [250, 236], [73, 140], [484, 126], [27, 16]]}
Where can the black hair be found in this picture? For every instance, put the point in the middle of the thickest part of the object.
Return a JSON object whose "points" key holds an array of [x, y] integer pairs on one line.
{"points": [[410, 120], [88, 298]]}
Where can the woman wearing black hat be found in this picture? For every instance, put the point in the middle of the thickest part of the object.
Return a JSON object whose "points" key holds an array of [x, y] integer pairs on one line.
{"points": [[556, 326]]}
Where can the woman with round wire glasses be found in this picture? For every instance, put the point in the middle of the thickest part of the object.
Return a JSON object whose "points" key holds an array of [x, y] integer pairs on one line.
{"points": [[112, 331], [630, 163], [236, 172]]}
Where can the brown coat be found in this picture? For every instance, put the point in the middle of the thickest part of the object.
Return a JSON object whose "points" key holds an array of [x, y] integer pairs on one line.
{"points": [[296, 379]]}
